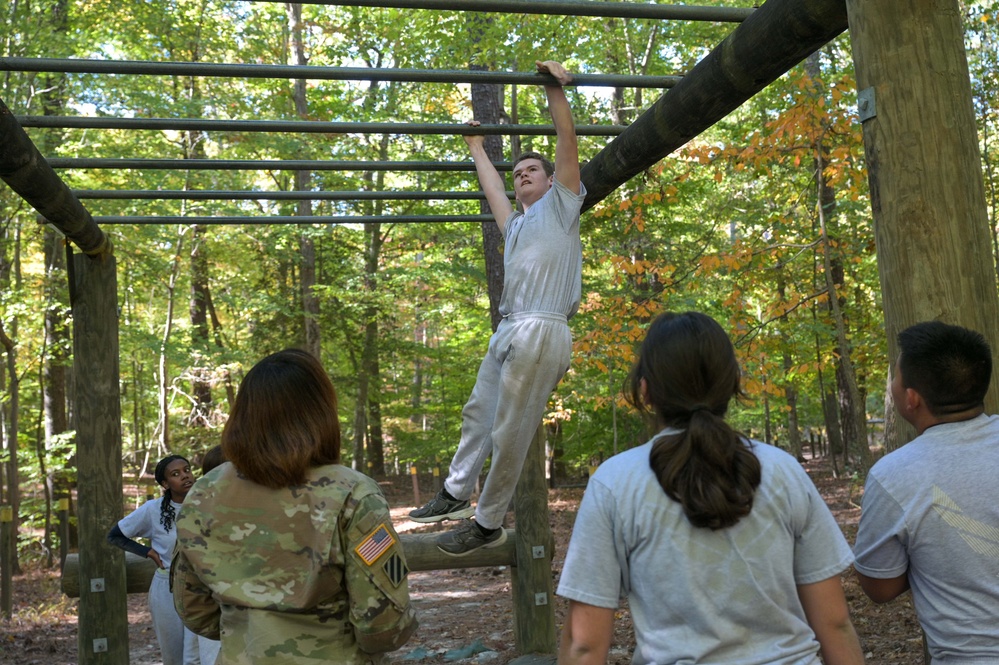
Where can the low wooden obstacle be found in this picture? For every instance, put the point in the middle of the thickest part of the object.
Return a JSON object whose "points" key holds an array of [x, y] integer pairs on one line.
{"points": [[527, 551], [421, 555]]}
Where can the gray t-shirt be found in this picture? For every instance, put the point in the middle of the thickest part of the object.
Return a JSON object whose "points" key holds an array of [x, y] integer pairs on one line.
{"points": [[542, 255], [932, 508], [697, 595]]}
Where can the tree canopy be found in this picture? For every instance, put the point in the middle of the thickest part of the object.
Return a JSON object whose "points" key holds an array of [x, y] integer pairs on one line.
{"points": [[764, 222]]}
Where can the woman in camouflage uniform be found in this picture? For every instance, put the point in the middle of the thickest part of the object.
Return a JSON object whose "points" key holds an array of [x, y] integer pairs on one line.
{"points": [[285, 553]]}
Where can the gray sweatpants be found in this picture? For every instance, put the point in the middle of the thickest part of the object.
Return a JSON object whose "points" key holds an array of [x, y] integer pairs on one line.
{"points": [[178, 645], [527, 357]]}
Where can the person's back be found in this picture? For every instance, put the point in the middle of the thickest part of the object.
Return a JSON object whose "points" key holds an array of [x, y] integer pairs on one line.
{"points": [[930, 515], [698, 595], [286, 554], [276, 562], [940, 493], [723, 546]]}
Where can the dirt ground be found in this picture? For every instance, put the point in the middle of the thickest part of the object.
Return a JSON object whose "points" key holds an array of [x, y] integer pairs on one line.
{"points": [[465, 615]]}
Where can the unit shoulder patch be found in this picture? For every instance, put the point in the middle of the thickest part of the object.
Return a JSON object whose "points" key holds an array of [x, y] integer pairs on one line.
{"points": [[395, 569]]}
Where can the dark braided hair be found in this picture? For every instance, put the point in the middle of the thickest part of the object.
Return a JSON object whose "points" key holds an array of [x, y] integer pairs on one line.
{"points": [[167, 512]]}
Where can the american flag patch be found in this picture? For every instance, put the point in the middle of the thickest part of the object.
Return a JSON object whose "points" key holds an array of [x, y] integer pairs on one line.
{"points": [[376, 544]]}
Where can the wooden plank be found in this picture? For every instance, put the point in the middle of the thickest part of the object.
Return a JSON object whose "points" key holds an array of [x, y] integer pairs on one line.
{"points": [[421, 554], [927, 195], [24, 169], [777, 36], [103, 614]]}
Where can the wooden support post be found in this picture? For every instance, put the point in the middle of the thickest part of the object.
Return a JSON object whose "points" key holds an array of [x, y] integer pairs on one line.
{"points": [[103, 614], [533, 589], [25, 170], [927, 195], [777, 36]]}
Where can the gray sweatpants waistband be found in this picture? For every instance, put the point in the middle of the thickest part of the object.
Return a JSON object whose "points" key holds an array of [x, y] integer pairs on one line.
{"points": [[545, 316]]}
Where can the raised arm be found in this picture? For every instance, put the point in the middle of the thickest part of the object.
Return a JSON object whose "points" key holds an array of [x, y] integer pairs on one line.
{"points": [[566, 148], [490, 180]]}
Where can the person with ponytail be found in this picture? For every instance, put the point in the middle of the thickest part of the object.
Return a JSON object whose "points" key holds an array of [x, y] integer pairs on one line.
{"points": [[156, 520], [722, 545]]}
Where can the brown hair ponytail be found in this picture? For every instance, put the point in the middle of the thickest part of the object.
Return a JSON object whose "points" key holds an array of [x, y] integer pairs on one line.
{"points": [[687, 374]]}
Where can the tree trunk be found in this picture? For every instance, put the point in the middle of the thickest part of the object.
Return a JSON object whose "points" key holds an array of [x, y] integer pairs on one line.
{"points": [[360, 414], [10, 278], [306, 245], [852, 402], [418, 418], [893, 421], [12, 417], [370, 366], [790, 391], [164, 379], [768, 436], [791, 396], [201, 387], [57, 344], [57, 341], [925, 171], [487, 108]]}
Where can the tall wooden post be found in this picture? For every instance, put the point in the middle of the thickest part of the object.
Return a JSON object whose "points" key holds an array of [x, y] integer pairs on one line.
{"points": [[924, 166], [103, 615], [533, 589]]}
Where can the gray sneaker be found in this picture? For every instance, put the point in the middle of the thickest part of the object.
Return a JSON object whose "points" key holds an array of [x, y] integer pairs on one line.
{"points": [[467, 538], [440, 508]]}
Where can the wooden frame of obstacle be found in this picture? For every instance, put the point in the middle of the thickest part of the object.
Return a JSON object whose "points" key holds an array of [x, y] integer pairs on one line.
{"points": [[927, 201]]}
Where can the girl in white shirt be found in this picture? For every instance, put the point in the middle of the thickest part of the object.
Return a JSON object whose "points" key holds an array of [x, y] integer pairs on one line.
{"points": [[155, 520]]}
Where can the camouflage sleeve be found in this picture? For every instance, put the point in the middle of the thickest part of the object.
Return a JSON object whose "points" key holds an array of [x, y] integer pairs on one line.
{"points": [[193, 599], [375, 574]]}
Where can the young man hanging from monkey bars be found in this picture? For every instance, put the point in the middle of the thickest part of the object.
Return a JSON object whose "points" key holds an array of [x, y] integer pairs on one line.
{"points": [[530, 350]]}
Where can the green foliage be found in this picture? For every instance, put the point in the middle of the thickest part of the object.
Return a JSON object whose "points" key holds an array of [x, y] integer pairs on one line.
{"points": [[728, 225]]}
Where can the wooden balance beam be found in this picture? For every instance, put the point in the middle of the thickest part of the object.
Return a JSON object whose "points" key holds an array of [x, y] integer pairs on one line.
{"points": [[421, 554]]}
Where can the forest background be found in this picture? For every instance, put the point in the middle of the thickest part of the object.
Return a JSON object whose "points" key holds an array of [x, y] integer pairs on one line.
{"points": [[758, 222]]}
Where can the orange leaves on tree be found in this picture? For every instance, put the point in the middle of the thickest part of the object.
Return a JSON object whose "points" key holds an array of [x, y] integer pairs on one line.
{"points": [[751, 386], [709, 263], [637, 221]]}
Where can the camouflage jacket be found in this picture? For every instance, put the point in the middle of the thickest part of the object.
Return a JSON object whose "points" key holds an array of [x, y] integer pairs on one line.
{"points": [[300, 574]]}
